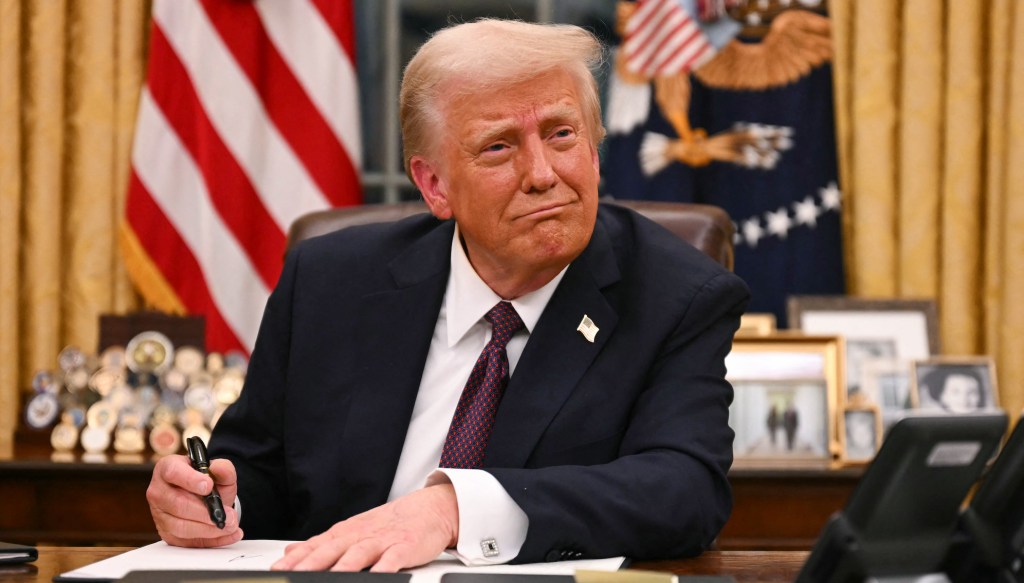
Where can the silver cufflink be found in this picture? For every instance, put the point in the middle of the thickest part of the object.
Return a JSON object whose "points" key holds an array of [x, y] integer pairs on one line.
{"points": [[490, 547]]}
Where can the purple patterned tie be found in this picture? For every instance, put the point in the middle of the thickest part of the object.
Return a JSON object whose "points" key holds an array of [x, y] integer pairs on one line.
{"points": [[474, 416]]}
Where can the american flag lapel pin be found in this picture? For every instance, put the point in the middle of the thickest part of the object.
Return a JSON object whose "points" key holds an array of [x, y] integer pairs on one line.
{"points": [[587, 328]]}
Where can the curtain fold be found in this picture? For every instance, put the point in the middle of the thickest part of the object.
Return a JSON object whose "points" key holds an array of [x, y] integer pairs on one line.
{"points": [[933, 166], [71, 76], [10, 213]]}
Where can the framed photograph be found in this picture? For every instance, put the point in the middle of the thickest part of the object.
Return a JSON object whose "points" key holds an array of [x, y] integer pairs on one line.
{"points": [[893, 329], [887, 384], [956, 385], [860, 433], [757, 324], [787, 388]]}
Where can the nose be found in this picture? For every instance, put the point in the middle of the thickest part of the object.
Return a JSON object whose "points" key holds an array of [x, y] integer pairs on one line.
{"points": [[537, 173]]}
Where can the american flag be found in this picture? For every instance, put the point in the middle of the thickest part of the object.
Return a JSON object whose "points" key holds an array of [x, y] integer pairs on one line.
{"points": [[662, 39], [248, 119]]}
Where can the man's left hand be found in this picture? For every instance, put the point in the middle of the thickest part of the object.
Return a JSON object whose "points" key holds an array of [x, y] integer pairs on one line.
{"points": [[407, 532]]}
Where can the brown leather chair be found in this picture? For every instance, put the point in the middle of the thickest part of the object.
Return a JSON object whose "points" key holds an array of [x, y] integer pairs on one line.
{"points": [[706, 227]]}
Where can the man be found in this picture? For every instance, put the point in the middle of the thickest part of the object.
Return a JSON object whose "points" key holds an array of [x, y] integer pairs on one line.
{"points": [[611, 437]]}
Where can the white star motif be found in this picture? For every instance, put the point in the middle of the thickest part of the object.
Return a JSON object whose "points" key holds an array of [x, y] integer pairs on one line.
{"points": [[752, 231], [778, 222], [806, 212], [830, 197]]}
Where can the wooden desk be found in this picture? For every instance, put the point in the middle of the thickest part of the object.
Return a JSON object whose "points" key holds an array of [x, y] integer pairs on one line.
{"points": [[744, 566], [71, 500]]}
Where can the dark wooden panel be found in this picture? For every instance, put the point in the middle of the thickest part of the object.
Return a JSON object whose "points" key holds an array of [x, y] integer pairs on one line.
{"points": [[71, 501], [784, 509]]}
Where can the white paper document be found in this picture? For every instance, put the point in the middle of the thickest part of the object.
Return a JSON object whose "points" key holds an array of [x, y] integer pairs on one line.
{"points": [[259, 555]]}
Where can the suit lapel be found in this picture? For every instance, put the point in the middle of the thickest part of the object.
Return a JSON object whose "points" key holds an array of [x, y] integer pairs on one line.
{"points": [[556, 355], [393, 333]]}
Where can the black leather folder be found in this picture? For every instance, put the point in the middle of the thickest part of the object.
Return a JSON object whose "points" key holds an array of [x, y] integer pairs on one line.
{"points": [[524, 578], [10, 553]]}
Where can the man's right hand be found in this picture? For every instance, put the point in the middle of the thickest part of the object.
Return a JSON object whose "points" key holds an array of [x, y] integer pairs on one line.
{"points": [[175, 498]]}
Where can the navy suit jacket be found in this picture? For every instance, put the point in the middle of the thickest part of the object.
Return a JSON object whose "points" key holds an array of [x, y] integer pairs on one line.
{"points": [[614, 447]]}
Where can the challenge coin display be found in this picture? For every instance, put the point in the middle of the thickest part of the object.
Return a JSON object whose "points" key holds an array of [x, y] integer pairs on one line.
{"points": [[146, 392]]}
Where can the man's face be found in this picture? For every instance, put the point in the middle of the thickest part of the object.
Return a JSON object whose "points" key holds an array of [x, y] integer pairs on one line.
{"points": [[517, 170]]}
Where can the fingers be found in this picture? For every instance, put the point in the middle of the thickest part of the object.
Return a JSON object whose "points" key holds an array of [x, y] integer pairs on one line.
{"points": [[407, 532], [223, 473], [221, 541], [179, 511], [176, 470]]}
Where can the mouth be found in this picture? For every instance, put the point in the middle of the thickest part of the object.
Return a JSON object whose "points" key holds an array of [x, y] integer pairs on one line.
{"points": [[546, 211]]}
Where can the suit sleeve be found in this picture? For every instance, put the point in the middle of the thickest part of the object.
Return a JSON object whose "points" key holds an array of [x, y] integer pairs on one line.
{"points": [[249, 433], [666, 494]]}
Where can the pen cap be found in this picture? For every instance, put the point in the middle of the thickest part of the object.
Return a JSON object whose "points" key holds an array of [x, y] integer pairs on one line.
{"points": [[197, 451]]}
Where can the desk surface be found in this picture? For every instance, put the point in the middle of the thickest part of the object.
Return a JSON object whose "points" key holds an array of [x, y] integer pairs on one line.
{"points": [[744, 566]]}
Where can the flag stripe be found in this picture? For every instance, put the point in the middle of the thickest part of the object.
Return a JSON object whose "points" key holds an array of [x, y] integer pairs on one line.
{"points": [[687, 38], [285, 187], [320, 64], [175, 184], [230, 190], [671, 35], [174, 258], [290, 108], [338, 16]]}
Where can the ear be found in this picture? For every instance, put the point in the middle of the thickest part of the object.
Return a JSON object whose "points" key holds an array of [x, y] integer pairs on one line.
{"points": [[431, 185]]}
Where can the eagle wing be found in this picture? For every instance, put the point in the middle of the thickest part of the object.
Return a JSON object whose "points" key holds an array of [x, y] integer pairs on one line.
{"points": [[797, 41]]}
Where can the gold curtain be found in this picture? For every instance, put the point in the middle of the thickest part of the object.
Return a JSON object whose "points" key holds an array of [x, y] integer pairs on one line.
{"points": [[930, 119], [70, 75]]}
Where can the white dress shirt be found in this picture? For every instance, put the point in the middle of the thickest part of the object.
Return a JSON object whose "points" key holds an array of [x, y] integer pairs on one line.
{"points": [[487, 514]]}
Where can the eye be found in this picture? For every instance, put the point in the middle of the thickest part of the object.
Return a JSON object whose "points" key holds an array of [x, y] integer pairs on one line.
{"points": [[498, 147], [563, 133]]}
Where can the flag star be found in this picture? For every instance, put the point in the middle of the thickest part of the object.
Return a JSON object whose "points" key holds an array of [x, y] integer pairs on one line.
{"points": [[806, 212], [778, 222], [830, 196], [752, 231]]}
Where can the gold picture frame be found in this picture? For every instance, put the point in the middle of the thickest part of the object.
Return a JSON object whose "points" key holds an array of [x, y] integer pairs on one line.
{"points": [[787, 388], [860, 433], [757, 324]]}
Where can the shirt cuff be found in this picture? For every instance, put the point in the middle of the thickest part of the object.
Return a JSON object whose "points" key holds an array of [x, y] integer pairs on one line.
{"points": [[492, 527]]}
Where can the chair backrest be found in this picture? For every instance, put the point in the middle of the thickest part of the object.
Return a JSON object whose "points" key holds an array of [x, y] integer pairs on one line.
{"points": [[706, 227]]}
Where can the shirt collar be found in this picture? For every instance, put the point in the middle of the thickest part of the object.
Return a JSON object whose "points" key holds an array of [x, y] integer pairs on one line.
{"points": [[468, 299]]}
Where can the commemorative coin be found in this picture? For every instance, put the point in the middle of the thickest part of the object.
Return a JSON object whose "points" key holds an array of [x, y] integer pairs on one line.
{"points": [[42, 410], [149, 352]]}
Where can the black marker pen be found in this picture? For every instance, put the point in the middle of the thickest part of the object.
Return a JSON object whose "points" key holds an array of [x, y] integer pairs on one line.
{"points": [[197, 455]]}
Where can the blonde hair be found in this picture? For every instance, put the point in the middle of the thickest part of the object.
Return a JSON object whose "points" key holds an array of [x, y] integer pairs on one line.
{"points": [[488, 54]]}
